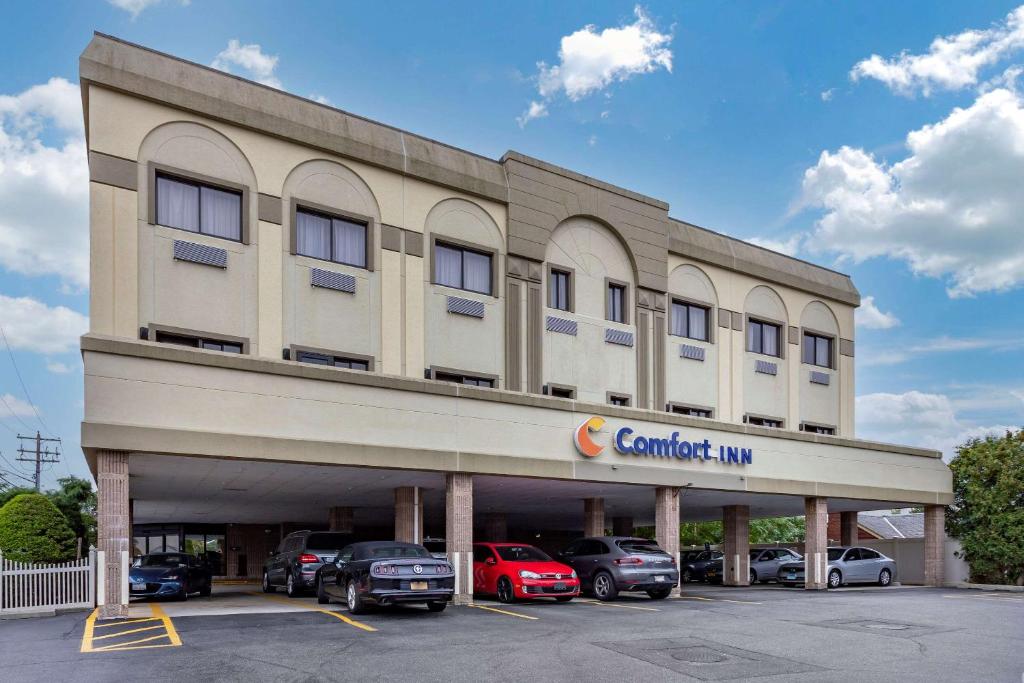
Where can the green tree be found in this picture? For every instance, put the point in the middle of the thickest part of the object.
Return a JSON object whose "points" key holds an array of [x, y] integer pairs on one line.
{"points": [[76, 499], [777, 530], [7, 494], [987, 514], [699, 533], [32, 529]]}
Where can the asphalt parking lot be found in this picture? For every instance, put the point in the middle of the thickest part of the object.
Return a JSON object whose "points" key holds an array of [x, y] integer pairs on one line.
{"points": [[708, 634]]}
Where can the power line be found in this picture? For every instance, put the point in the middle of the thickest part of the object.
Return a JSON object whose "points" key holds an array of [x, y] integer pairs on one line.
{"points": [[24, 424], [39, 456], [21, 381], [12, 471]]}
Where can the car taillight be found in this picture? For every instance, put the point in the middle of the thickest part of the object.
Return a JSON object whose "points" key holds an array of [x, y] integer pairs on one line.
{"points": [[629, 560], [306, 558], [385, 569]]}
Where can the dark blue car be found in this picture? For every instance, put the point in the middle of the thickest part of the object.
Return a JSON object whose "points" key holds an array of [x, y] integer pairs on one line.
{"points": [[169, 575]]}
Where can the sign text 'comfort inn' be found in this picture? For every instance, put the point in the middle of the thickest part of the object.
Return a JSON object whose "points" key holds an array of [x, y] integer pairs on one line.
{"points": [[627, 442]]}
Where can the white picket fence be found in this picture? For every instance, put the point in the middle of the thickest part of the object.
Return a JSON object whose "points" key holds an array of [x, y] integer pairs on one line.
{"points": [[27, 588]]}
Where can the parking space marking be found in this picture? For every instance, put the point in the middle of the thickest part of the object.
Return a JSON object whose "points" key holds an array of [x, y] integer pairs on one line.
{"points": [[983, 596], [113, 629], [698, 597], [336, 615], [502, 611], [615, 604]]}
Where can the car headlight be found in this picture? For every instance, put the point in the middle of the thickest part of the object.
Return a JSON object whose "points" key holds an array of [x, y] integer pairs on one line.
{"points": [[527, 574], [572, 574], [173, 577]]}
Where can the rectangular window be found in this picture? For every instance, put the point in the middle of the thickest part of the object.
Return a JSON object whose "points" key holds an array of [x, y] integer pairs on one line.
{"points": [[208, 343], [558, 290], [464, 379], [818, 429], [616, 307], [621, 400], [462, 268], [198, 207], [817, 350], [334, 361], [764, 338], [763, 422], [689, 410], [690, 320], [330, 238], [561, 392]]}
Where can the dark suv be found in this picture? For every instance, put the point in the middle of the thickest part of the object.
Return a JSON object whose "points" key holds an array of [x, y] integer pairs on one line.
{"points": [[294, 563], [610, 564]]}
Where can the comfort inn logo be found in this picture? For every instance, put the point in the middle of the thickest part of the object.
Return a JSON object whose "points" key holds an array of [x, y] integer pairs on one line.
{"points": [[627, 442], [581, 437]]}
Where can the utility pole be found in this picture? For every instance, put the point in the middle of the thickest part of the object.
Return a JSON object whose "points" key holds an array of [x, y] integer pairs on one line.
{"points": [[38, 454]]}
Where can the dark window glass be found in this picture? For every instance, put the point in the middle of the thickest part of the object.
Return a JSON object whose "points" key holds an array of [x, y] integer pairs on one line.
{"points": [[558, 290], [834, 554], [763, 338], [689, 320], [817, 429], [207, 343], [562, 392], [464, 379], [852, 555], [462, 268], [330, 238], [640, 547], [692, 412], [384, 552], [616, 303], [336, 361], [324, 540], [619, 401], [481, 553], [763, 422], [817, 350], [197, 207], [866, 554], [521, 553]]}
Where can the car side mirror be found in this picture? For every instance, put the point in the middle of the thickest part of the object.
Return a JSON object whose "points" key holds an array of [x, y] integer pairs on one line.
{"points": [[489, 560]]}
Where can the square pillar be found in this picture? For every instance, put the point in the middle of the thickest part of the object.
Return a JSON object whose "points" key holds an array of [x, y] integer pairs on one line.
{"points": [[666, 523], [341, 519], [593, 516], [459, 532], [736, 545], [113, 530], [848, 532], [622, 526], [815, 543], [496, 527], [934, 545], [408, 514]]}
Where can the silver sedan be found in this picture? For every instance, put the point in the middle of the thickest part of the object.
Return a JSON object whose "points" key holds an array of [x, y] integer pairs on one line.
{"points": [[846, 565]]}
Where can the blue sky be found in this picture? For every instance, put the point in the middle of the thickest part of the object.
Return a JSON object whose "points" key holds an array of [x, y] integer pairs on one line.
{"points": [[765, 120]]}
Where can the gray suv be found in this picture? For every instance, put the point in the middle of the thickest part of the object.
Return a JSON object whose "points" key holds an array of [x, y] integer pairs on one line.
{"points": [[294, 563], [608, 565]]}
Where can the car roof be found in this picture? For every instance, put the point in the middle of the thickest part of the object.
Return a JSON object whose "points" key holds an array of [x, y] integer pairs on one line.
{"points": [[167, 552], [381, 544], [616, 538]]}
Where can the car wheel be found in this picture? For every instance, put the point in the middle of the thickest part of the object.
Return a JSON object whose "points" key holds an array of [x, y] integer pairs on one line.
{"points": [[835, 579], [659, 593], [267, 586], [437, 606], [753, 577], [354, 600], [290, 588], [183, 593], [321, 594], [207, 589], [687, 576], [506, 593], [885, 577], [564, 598], [604, 587]]}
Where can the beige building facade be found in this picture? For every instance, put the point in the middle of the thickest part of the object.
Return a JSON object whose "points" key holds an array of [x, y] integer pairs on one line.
{"points": [[301, 318]]}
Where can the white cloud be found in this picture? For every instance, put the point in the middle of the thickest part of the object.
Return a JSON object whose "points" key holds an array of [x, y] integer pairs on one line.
{"points": [[321, 99], [951, 209], [135, 7], [789, 246], [536, 110], [16, 406], [58, 368], [913, 350], [872, 318], [920, 419], [590, 60], [251, 59], [592, 140], [31, 325], [826, 95], [44, 187], [952, 62]]}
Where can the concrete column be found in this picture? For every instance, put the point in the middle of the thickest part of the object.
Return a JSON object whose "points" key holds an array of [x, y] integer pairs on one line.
{"points": [[623, 526], [815, 543], [736, 545], [593, 516], [113, 528], [848, 532], [496, 527], [934, 542], [341, 519], [459, 532], [666, 523], [408, 514]]}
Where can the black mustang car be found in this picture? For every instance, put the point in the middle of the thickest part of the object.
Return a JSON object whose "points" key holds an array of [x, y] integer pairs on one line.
{"points": [[385, 573]]}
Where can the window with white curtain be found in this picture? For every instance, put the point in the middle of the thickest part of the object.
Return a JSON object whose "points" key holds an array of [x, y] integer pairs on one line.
{"points": [[462, 268], [198, 207], [763, 338], [817, 350], [330, 238], [689, 320]]}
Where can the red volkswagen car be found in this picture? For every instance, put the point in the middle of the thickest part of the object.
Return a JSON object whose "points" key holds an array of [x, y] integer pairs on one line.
{"points": [[515, 571]]}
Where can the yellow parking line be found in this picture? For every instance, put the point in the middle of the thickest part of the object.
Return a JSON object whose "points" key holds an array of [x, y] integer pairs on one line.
{"points": [[172, 632], [89, 636], [502, 611], [336, 615], [615, 604], [90, 625], [124, 633], [122, 622], [124, 646]]}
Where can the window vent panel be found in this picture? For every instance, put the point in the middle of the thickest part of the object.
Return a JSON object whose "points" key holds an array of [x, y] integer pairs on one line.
{"points": [[200, 253], [766, 368], [561, 325], [618, 337], [692, 352], [328, 279], [456, 304], [820, 377]]}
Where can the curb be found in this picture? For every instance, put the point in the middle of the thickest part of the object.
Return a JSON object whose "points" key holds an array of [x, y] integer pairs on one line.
{"points": [[989, 587]]}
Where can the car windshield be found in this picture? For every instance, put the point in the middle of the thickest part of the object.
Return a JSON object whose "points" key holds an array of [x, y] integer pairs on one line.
{"points": [[327, 541], [521, 553], [384, 552], [435, 546], [834, 554], [164, 561], [640, 547]]}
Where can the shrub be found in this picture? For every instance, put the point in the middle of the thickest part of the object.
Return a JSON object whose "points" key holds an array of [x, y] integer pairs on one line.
{"points": [[32, 529]]}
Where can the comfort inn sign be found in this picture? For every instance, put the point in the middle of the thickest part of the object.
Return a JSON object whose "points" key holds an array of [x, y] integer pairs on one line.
{"points": [[627, 442]]}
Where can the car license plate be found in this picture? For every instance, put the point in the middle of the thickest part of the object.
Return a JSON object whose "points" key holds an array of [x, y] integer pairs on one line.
{"points": [[138, 586], [791, 576], [559, 586], [659, 579], [418, 585]]}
